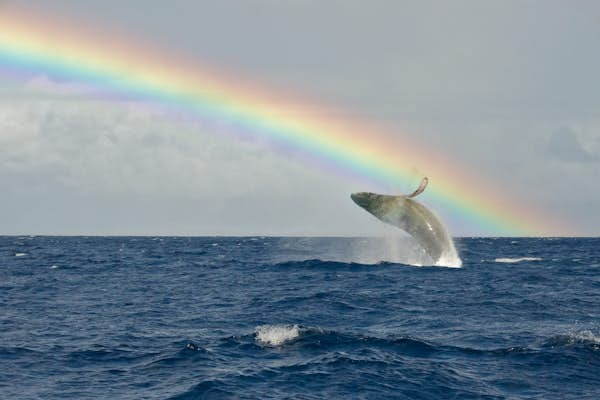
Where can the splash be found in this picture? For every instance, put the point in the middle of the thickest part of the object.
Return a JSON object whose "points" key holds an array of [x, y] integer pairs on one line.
{"points": [[399, 248], [392, 247], [276, 335], [585, 338], [449, 258]]}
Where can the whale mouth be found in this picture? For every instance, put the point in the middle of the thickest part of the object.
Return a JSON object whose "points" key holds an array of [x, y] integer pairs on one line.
{"points": [[362, 199]]}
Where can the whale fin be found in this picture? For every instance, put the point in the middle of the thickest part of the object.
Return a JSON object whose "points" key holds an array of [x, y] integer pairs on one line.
{"points": [[420, 189]]}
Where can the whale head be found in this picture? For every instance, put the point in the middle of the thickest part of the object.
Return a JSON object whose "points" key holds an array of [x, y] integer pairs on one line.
{"points": [[363, 199], [373, 202]]}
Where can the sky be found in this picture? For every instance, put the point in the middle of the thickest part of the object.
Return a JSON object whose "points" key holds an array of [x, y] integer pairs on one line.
{"points": [[508, 90]]}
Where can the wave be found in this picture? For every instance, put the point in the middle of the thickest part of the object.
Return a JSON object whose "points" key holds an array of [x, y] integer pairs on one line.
{"points": [[276, 335], [517, 260], [105, 355], [339, 265], [299, 356], [313, 338], [317, 263], [190, 353], [207, 389], [334, 264], [8, 353], [585, 338]]}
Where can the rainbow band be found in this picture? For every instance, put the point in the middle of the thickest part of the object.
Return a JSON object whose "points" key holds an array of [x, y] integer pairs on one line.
{"points": [[34, 46]]}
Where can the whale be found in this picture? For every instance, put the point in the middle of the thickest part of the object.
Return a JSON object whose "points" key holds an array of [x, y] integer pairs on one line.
{"points": [[404, 212]]}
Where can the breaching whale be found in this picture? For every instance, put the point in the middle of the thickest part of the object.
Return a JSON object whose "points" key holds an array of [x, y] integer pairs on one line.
{"points": [[415, 219]]}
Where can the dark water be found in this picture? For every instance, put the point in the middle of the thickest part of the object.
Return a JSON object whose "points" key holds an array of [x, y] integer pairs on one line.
{"points": [[263, 318]]}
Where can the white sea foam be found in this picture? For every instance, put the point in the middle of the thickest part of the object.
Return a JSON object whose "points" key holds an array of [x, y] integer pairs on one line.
{"points": [[449, 259], [20, 254], [276, 335], [393, 247], [516, 260], [585, 336], [576, 337]]}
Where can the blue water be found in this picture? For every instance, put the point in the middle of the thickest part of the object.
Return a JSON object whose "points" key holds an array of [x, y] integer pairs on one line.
{"points": [[272, 318]]}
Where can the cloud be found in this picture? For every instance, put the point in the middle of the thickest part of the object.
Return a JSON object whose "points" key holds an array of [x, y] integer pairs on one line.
{"points": [[97, 146], [71, 166], [74, 165], [43, 85], [564, 145]]}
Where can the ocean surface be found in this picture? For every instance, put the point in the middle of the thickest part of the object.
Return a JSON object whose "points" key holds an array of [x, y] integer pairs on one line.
{"points": [[298, 318]]}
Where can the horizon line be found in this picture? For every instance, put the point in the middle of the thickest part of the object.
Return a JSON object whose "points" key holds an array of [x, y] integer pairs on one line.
{"points": [[401, 234]]}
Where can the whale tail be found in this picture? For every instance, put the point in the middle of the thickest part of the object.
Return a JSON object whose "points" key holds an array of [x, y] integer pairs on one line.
{"points": [[420, 189]]}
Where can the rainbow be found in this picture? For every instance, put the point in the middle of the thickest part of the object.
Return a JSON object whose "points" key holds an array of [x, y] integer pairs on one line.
{"points": [[30, 45]]}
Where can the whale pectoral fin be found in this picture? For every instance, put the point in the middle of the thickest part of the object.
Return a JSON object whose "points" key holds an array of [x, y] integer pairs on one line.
{"points": [[420, 189]]}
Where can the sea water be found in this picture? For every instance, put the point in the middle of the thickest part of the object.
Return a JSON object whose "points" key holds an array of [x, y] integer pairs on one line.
{"points": [[309, 318]]}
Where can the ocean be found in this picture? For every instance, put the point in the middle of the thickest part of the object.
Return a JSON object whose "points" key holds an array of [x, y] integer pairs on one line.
{"points": [[297, 318]]}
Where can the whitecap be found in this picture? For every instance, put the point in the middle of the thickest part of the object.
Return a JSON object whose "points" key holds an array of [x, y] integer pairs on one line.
{"points": [[516, 260], [580, 337], [586, 336], [20, 254], [276, 335]]}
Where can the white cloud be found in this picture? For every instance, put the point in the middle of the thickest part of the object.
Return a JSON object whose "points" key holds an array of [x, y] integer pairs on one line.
{"points": [[42, 85], [564, 145], [76, 166]]}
